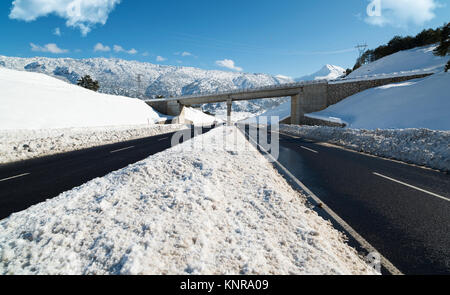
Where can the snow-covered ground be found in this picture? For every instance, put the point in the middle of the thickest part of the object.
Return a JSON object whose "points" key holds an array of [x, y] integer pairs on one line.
{"points": [[197, 117], [217, 209], [19, 145], [422, 103], [413, 61], [417, 146], [37, 101]]}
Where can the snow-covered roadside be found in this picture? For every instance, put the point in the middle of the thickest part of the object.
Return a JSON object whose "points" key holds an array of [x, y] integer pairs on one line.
{"points": [[219, 209], [18, 145], [417, 146]]}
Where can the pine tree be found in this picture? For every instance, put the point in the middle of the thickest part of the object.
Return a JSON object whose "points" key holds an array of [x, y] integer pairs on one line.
{"points": [[88, 83], [348, 72], [444, 46], [447, 67]]}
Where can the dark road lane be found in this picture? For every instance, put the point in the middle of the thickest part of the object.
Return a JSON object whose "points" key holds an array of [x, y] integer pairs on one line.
{"points": [[30, 182], [401, 210]]}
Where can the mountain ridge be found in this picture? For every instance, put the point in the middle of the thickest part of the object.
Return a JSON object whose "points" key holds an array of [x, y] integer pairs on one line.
{"points": [[147, 80]]}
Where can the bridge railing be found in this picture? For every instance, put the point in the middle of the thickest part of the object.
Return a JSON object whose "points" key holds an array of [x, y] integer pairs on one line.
{"points": [[250, 89], [300, 84]]}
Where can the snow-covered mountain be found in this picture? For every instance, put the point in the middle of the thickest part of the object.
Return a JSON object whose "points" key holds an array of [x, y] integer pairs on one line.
{"points": [[328, 72], [137, 79]]}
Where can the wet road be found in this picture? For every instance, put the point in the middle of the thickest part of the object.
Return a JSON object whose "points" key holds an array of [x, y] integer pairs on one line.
{"points": [[401, 210]]}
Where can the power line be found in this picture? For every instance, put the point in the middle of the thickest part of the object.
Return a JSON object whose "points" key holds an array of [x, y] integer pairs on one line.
{"points": [[362, 49]]}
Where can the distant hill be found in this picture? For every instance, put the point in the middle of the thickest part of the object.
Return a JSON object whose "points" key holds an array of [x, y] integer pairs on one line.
{"points": [[328, 72]]}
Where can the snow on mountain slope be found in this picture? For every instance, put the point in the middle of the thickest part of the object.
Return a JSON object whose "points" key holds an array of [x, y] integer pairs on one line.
{"points": [[328, 72], [423, 103], [37, 101], [120, 77], [416, 60]]}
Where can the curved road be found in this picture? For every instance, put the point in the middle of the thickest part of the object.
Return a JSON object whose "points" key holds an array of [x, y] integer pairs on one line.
{"points": [[400, 209]]}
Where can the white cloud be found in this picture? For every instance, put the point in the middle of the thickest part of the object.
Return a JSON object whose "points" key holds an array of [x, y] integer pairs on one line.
{"points": [[81, 14], [401, 13], [145, 53], [119, 49], [184, 53], [51, 48], [228, 63], [102, 48], [160, 58], [57, 32]]}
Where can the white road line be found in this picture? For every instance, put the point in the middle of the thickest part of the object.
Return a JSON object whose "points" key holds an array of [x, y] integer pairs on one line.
{"points": [[13, 177], [412, 186], [127, 148], [369, 248], [308, 149]]}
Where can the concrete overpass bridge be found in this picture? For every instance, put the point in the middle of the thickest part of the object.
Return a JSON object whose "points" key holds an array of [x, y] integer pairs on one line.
{"points": [[306, 97]]}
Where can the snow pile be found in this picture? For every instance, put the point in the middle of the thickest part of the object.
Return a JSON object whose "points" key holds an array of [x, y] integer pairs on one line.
{"points": [[414, 61], [37, 101], [328, 72], [417, 146], [18, 145], [423, 103], [220, 210], [196, 117]]}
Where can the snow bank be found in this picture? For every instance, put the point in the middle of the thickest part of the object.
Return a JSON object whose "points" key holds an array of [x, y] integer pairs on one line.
{"points": [[18, 145], [423, 103], [413, 61], [196, 117], [219, 210], [37, 101], [417, 146]]}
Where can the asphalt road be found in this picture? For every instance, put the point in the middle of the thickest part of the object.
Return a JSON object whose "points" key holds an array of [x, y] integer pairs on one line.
{"points": [[30, 182], [401, 210]]}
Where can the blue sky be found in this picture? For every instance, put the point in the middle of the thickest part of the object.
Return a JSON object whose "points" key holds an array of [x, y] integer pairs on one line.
{"points": [[287, 37]]}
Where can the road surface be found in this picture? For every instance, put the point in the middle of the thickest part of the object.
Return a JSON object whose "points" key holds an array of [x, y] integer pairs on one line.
{"points": [[401, 210], [30, 182]]}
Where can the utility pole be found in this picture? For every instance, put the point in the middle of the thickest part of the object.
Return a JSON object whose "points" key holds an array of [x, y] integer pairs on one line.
{"points": [[362, 49]]}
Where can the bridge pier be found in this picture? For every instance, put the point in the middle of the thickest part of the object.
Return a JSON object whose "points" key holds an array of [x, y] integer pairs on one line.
{"points": [[296, 110], [311, 98], [229, 107]]}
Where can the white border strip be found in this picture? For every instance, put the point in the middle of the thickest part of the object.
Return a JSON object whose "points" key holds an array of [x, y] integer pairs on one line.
{"points": [[14, 177], [412, 186], [124, 149]]}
